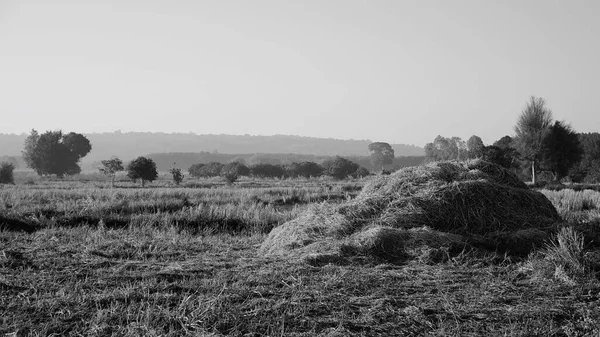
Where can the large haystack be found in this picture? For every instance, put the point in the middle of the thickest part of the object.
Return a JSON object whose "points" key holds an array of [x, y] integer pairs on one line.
{"points": [[441, 205]]}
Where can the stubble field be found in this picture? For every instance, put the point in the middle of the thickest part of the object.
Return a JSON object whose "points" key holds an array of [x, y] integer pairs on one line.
{"points": [[80, 258]]}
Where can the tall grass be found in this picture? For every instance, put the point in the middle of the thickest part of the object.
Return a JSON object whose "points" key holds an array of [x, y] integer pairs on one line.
{"points": [[575, 206]]}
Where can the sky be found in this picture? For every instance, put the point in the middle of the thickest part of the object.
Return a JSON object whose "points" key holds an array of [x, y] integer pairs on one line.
{"points": [[396, 71]]}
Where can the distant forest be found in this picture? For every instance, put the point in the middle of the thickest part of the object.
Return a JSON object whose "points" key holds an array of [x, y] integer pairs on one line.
{"points": [[186, 149]]}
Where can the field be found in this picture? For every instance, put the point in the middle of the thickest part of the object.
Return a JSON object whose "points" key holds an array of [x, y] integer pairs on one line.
{"points": [[80, 258]]}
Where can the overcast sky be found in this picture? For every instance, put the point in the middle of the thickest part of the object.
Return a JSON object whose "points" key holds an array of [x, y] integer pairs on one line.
{"points": [[394, 71]]}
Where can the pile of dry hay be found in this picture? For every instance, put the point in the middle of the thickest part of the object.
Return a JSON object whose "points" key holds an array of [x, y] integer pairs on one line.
{"points": [[437, 208]]}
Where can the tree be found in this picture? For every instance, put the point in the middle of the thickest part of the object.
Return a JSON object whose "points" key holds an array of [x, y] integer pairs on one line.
{"points": [[176, 174], [55, 153], [531, 129], [361, 172], [445, 149], [142, 168], [474, 147], [340, 168], [110, 168], [232, 171], [505, 157], [304, 169], [267, 171], [381, 154], [505, 142], [561, 150], [196, 170], [6, 173], [588, 169]]}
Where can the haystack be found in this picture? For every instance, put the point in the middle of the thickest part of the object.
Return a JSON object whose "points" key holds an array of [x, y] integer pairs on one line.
{"points": [[441, 205]]}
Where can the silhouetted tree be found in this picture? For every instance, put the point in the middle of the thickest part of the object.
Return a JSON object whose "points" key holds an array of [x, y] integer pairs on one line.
{"points": [[110, 167], [55, 153], [475, 147], [6, 173], [142, 168], [340, 168], [561, 150], [196, 170], [381, 154], [176, 174], [588, 169], [232, 171], [532, 127], [304, 169], [361, 172], [267, 171]]}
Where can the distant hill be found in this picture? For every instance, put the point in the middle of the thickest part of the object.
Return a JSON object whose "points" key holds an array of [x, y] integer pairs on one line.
{"points": [[129, 145]]}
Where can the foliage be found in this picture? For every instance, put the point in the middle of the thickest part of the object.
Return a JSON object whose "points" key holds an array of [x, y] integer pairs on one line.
{"points": [[340, 168], [561, 149], [588, 169], [474, 147], [381, 154], [176, 174], [212, 169], [506, 157], [304, 169], [232, 171], [361, 172], [55, 153], [531, 129], [443, 148], [6, 173], [196, 170], [505, 142], [110, 167], [267, 171], [142, 168]]}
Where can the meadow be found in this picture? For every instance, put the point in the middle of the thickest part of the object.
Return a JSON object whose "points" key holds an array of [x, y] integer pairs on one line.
{"points": [[80, 258]]}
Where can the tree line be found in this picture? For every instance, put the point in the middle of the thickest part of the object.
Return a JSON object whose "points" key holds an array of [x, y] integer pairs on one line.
{"points": [[540, 145]]}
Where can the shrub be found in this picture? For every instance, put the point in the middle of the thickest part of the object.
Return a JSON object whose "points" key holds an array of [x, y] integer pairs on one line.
{"points": [[267, 171], [6, 173], [142, 168], [177, 175], [232, 171]]}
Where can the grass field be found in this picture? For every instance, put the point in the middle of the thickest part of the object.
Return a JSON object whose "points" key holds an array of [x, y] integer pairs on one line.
{"points": [[79, 258]]}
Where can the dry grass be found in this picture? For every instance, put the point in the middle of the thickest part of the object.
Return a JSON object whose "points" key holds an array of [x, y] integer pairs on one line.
{"points": [[166, 279], [447, 205]]}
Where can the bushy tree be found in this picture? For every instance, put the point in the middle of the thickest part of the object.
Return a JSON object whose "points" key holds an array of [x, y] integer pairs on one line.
{"points": [[506, 157], [55, 153], [474, 147], [561, 150], [382, 154], [444, 148], [142, 168], [267, 171], [212, 169], [176, 174], [505, 142], [361, 172], [588, 169], [196, 170], [232, 171], [340, 168], [304, 169], [531, 129], [6, 173], [110, 168]]}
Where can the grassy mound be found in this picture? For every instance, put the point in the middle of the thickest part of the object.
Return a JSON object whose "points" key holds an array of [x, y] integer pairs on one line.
{"points": [[440, 205]]}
